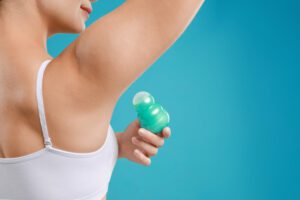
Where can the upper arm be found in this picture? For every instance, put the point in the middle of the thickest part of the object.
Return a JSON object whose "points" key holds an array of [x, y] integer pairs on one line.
{"points": [[116, 49]]}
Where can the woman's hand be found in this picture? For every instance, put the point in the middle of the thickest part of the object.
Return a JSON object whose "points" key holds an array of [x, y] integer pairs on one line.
{"points": [[138, 144]]}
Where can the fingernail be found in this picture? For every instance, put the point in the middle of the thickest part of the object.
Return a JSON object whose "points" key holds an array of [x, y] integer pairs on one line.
{"points": [[141, 132], [136, 151], [167, 134]]}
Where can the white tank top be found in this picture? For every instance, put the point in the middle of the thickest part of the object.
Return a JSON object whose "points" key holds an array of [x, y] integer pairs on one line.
{"points": [[55, 174]]}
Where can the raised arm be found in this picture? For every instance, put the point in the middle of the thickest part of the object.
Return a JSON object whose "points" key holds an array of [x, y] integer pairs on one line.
{"points": [[116, 49]]}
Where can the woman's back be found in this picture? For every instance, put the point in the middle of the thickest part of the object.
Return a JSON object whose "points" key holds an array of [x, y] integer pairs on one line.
{"points": [[55, 173], [71, 126]]}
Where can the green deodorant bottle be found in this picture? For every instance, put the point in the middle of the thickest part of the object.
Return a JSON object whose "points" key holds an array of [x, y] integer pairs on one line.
{"points": [[152, 116]]}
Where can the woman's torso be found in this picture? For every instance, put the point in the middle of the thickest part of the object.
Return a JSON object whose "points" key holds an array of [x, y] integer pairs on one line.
{"points": [[20, 129], [69, 129]]}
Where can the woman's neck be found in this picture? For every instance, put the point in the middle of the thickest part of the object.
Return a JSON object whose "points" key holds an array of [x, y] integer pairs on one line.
{"points": [[22, 30]]}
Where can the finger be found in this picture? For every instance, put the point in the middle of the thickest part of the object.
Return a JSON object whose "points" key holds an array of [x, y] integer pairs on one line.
{"points": [[141, 149], [149, 149], [166, 133], [151, 137], [142, 158]]}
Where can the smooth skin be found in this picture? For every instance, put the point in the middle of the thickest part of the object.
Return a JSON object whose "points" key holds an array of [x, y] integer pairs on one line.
{"points": [[82, 85]]}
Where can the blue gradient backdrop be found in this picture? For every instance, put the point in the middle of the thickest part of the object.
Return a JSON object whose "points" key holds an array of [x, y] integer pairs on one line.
{"points": [[231, 85]]}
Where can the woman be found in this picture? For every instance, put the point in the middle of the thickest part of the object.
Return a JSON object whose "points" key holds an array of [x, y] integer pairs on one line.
{"points": [[60, 158]]}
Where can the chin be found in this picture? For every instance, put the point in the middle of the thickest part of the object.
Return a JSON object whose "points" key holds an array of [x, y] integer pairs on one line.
{"points": [[76, 28], [74, 24], [83, 28], [80, 27]]}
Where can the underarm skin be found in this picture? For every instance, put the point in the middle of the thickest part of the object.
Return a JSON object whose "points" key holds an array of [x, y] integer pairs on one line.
{"points": [[137, 33]]}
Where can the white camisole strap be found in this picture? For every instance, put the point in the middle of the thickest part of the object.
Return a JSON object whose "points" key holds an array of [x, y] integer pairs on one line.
{"points": [[39, 95]]}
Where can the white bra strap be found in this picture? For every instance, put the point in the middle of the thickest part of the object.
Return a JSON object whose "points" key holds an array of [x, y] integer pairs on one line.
{"points": [[39, 95]]}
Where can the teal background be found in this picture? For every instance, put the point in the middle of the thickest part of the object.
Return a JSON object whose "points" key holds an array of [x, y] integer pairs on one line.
{"points": [[231, 86]]}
